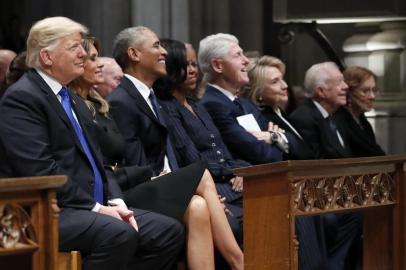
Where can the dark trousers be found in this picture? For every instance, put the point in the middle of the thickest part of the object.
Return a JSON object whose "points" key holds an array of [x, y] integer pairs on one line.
{"points": [[343, 232], [325, 241], [312, 253], [108, 243]]}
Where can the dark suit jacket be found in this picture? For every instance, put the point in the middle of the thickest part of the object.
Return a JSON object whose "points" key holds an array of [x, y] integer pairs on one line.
{"points": [[145, 136], [361, 137], [113, 149], [196, 138], [240, 142], [298, 148], [316, 131], [37, 138]]}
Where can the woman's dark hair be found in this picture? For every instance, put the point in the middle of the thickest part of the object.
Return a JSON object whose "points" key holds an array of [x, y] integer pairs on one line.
{"points": [[176, 68], [16, 69]]}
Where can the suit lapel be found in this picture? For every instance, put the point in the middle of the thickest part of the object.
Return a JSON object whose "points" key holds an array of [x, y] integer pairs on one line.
{"points": [[331, 137], [86, 122], [51, 97], [56, 105], [212, 91], [139, 99], [201, 115]]}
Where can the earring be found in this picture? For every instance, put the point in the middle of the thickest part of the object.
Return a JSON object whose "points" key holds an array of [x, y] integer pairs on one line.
{"points": [[260, 99]]}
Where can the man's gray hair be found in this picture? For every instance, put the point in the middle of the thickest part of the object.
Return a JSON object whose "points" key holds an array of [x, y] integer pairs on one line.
{"points": [[211, 47], [132, 36], [46, 33], [318, 75]]}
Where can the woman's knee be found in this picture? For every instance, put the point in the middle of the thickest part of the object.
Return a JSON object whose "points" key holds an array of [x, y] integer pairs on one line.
{"points": [[198, 208]]}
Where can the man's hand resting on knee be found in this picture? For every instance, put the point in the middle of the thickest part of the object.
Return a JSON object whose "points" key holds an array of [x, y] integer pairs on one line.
{"points": [[120, 212]]}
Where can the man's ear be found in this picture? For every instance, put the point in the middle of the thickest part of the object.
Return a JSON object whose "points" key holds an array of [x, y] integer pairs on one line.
{"points": [[217, 65], [45, 57], [320, 91], [134, 54]]}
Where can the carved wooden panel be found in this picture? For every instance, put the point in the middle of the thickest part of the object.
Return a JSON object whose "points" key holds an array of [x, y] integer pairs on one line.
{"points": [[16, 229], [315, 195]]}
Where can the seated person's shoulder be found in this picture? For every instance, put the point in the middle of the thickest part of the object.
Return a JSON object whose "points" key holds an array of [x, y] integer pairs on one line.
{"points": [[300, 112], [248, 104]]}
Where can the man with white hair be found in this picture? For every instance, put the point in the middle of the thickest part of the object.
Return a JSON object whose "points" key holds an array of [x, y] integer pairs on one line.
{"points": [[45, 129], [314, 119], [112, 75], [224, 66]]}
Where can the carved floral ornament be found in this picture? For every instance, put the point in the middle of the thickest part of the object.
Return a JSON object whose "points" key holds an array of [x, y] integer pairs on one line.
{"points": [[15, 227], [344, 192]]}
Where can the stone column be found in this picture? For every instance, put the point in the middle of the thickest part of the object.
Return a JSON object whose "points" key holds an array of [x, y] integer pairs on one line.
{"points": [[167, 18]]}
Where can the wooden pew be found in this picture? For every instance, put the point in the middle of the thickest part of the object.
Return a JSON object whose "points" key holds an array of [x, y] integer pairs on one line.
{"points": [[274, 194], [69, 261], [36, 196]]}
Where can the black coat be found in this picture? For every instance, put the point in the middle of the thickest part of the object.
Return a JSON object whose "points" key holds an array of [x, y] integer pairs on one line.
{"points": [[316, 131], [361, 137], [298, 148]]}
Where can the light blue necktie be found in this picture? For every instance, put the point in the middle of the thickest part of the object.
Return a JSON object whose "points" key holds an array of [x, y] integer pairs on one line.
{"points": [[98, 183], [169, 150]]}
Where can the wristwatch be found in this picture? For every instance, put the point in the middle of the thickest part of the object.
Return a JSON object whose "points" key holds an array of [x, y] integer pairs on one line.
{"points": [[274, 137]]}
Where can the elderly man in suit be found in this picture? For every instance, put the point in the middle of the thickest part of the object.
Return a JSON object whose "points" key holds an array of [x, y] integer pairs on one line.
{"points": [[315, 118], [112, 75], [47, 130], [6, 56], [315, 121], [224, 66]]}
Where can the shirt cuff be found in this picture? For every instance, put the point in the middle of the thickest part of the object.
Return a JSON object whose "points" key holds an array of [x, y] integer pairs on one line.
{"points": [[116, 202], [96, 207], [284, 138]]}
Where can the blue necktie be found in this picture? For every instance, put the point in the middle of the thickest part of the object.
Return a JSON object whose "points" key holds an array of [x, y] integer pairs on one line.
{"points": [[98, 183], [169, 150]]}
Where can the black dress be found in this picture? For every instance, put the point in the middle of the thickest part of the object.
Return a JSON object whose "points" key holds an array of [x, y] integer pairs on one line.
{"points": [[360, 136], [168, 195], [299, 149]]}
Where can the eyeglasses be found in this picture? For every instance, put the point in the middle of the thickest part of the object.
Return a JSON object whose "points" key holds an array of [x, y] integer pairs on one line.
{"points": [[369, 91]]}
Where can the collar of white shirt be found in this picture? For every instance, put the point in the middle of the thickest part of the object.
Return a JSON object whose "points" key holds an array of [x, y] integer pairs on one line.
{"points": [[224, 91], [323, 111], [142, 87], [51, 82]]}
